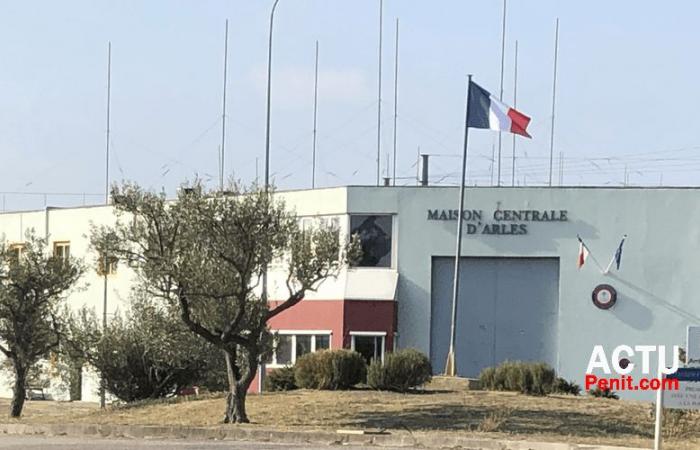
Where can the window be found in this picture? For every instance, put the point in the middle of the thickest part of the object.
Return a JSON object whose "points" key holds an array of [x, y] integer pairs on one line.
{"points": [[323, 342], [61, 250], [283, 350], [17, 250], [111, 265], [291, 345], [368, 344], [303, 345], [375, 239]]}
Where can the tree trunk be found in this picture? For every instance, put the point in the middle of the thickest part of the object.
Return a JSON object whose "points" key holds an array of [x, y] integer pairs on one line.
{"points": [[238, 388], [19, 392], [235, 405]]}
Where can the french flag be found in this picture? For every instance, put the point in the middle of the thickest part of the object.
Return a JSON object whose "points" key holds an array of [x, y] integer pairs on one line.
{"points": [[486, 111]]}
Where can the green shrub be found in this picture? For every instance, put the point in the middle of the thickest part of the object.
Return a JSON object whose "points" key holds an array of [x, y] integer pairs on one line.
{"points": [[281, 379], [566, 387], [401, 371], [603, 393], [531, 378], [487, 379], [330, 370]]}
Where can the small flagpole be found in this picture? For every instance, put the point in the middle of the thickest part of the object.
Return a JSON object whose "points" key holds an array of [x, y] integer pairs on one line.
{"points": [[554, 97], [500, 97], [515, 106], [607, 269], [450, 367], [612, 260]]}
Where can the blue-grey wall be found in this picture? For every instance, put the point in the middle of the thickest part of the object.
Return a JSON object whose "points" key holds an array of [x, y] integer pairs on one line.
{"points": [[657, 285]]}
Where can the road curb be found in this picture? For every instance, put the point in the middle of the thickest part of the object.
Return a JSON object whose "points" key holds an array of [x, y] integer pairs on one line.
{"points": [[238, 433]]}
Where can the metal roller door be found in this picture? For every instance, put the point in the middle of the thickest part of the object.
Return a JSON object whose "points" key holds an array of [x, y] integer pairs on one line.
{"points": [[507, 310]]}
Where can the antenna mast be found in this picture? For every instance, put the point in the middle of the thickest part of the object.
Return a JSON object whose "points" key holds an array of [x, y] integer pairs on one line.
{"points": [[223, 115]]}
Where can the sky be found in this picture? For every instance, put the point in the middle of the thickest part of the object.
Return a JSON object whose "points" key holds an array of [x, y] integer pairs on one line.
{"points": [[625, 105]]}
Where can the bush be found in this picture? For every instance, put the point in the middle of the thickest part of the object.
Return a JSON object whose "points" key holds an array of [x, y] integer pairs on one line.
{"points": [[401, 371], [281, 379], [603, 393], [566, 387], [145, 353], [531, 378], [330, 370]]}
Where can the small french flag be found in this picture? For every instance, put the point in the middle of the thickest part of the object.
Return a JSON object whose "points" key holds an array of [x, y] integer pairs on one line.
{"points": [[486, 111], [582, 253]]}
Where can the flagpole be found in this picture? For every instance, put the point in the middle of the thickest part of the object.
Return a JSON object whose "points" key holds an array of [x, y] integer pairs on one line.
{"points": [[515, 106], [222, 157], [105, 261], [590, 253], [500, 97], [396, 95], [379, 95], [450, 368], [313, 156], [554, 97], [612, 260]]}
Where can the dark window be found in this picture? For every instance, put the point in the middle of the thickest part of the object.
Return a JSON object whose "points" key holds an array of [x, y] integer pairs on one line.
{"points": [[283, 352], [370, 347], [303, 345], [322, 342], [375, 238]]}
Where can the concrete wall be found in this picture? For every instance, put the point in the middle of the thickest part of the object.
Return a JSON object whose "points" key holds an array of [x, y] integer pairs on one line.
{"points": [[658, 286]]}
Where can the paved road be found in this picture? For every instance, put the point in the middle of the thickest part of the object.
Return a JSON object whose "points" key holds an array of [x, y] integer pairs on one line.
{"points": [[70, 443]]}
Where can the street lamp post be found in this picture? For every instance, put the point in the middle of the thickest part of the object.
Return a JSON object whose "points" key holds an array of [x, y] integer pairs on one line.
{"points": [[267, 124], [267, 159]]}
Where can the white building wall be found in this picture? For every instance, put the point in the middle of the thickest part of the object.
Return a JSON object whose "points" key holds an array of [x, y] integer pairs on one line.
{"points": [[657, 287], [74, 225]]}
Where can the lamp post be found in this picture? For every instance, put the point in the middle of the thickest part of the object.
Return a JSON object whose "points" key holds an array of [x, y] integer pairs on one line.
{"points": [[267, 123], [267, 160]]}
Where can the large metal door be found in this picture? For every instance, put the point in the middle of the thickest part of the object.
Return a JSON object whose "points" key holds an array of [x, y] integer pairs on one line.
{"points": [[507, 310]]}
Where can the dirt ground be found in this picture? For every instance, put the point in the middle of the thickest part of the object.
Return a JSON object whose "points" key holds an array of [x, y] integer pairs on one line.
{"points": [[439, 407]]}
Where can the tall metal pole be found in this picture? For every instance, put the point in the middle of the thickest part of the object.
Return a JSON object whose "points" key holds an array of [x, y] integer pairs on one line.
{"points": [[554, 96], [396, 94], [105, 260], [109, 99], [267, 123], [222, 159], [500, 97], [515, 106], [379, 95], [313, 156], [450, 368], [267, 135]]}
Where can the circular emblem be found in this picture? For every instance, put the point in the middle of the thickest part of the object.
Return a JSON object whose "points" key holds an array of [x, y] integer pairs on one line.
{"points": [[604, 296]]}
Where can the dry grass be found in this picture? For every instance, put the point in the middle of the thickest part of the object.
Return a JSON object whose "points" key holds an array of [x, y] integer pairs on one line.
{"points": [[438, 408]]}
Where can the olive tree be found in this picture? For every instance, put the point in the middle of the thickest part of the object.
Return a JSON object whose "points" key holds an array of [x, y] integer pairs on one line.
{"points": [[144, 353], [205, 253], [32, 286]]}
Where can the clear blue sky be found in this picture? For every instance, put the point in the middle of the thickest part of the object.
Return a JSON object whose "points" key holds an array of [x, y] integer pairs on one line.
{"points": [[627, 90]]}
